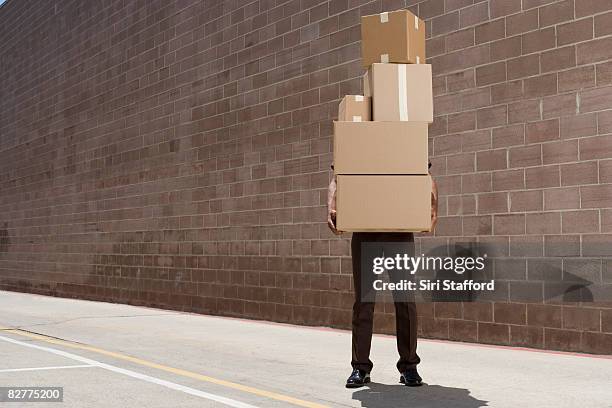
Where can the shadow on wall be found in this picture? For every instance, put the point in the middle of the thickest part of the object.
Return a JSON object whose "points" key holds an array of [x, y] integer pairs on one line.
{"points": [[428, 396]]}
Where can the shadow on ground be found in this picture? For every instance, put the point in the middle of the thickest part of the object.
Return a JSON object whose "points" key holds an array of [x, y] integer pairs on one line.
{"points": [[428, 396]]}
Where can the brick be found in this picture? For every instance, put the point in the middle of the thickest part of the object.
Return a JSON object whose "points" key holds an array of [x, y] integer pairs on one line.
{"points": [[558, 59], [512, 224], [604, 120], [576, 31], [541, 85], [477, 311], [597, 196], [544, 315], [490, 74], [493, 333], [476, 183], [493, 116], [578, 126], [543, 223], [606, 321], [595, 99], [509, 180], [580, 221], [522, 22], [462, 330], [599, 147], [603, 24], [603, 73], [524, 156], [501, 8], [542, 131], [526, 201], [477, 225], [510, 313], [578, 78], [562, 245], [542, 177], [507, 91], [538, 40], [559, 105], [505, 48], [491, 160], [579, 173], [524, 66], [489, 203], [594, 51], [524, 111], [560, 152], [588, 7], [565, 340], [598, 343], [445, 23], [459, 39], [556, 13], [461, 163], [475, 141], [562, 198], [474, 14], [461, 122], [508, 136], [461, 80], [528, 336], [490, 31], [545, 269], [605, 171]]}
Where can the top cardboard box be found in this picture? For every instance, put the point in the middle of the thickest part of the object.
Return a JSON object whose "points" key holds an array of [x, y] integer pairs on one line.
{"points": [[396, 36]]}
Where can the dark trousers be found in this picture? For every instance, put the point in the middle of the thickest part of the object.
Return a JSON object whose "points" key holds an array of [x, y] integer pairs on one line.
{"points": [[363, 311]]}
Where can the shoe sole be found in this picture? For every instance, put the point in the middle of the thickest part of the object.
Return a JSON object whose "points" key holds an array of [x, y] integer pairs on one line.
{"points": [[412, 384], [367, 380]]}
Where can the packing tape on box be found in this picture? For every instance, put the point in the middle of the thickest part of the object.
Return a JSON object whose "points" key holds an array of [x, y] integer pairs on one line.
{"points": [[402, 90], [384, 17], [358, 98], [416, 23], [418, 59], [356, 118], [384, 58]]}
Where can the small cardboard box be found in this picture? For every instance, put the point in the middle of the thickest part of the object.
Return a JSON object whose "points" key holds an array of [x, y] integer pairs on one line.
{"points": [[396, 36], [380, 148], [383, 203], [400, 92], [355, 108]]}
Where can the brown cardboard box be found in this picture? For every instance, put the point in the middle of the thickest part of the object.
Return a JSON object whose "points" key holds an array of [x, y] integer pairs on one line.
{"points": [[400, 92], [355, 108], [380, 148], [383, 203], [396, 36]]}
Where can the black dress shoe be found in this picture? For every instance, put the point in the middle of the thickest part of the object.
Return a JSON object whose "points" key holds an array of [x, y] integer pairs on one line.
{"points": [[411, 378], [358, 378]]}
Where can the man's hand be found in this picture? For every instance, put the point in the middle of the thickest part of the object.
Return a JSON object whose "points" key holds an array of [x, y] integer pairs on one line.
{"points": [[434, 204], [331, 221]]}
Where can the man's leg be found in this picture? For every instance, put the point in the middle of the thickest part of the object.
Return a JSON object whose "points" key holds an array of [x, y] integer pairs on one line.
{"points": [[363, 312], [405, 308]]}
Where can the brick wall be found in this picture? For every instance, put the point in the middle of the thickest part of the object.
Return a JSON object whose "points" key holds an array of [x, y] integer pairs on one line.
{"points": [[176, 154]]}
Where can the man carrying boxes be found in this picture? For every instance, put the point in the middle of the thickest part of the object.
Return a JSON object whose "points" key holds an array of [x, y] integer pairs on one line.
{"points": [[381, 189]]}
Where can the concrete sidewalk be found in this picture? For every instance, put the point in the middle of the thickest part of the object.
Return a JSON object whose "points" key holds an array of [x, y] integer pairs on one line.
{"points": [[133, 356]]}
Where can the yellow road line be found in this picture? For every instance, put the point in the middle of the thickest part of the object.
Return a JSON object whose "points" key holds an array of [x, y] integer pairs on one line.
{"points": [[177, 371]]}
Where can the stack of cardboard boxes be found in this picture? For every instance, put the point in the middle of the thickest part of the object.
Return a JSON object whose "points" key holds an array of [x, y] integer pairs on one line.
{"points": [[380, 138]]}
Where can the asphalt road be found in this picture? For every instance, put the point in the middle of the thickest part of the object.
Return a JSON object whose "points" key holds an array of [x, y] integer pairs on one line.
{"points": [[108, 355]]}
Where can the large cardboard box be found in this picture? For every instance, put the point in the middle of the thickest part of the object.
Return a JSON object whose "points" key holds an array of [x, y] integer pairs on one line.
{"points": [[383, 203], [397, 36], [380, 148], [400, 92], [355, 108]]}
